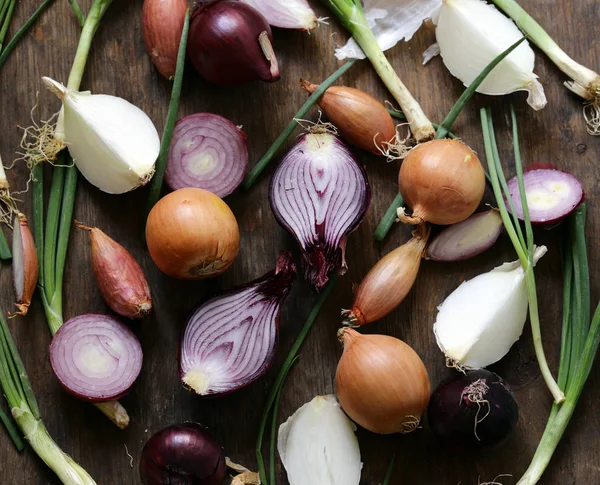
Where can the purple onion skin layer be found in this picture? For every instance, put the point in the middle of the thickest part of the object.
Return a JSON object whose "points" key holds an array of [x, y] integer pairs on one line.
{"points": [[542, 174], [213, 136], [224, 45], [452, 414], [462, 241], [183, 454], [234, 311], [307, 164]]}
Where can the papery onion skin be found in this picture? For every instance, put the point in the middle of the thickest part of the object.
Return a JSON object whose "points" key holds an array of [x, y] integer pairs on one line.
{"points": [[386, 285], [360, 119], [286, 14], [317, 170], [381, 383], [242, 323], [192, 234], [162, 24], [231, 43], [24, 264], [442, 181], [222, 162], [469, 238], [473, 410], [120, 278], [185, 454], [82, 337]]}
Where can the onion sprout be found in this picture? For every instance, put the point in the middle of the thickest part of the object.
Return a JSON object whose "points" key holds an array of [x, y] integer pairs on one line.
{"points": [[5, 253], [77, 11], [390, 470], [165, 144], [442, 131], [312, 99], [524, 245], [280, 380], [584, 82], [19, 395], [6, 18], [22, 31]]}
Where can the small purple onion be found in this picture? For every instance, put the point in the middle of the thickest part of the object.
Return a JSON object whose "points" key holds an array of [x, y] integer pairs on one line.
{"points": [[182, 454], [96, 357], [319, 194], [466, 239], [551, 194], [230, 341], [207, 152]]}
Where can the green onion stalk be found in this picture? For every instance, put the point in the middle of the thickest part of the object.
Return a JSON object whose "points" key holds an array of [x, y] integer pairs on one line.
{"points": [[442, 131], [352, 16], [52, 244], [523, 244], [19, 395], [6, 13], [584, 82], [579, 346]]}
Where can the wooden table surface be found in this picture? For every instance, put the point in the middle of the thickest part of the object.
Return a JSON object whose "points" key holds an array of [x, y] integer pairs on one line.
{"points": [[119, 65]]}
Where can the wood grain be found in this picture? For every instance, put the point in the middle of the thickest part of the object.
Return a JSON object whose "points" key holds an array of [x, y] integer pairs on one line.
{"points": [[119, 65]]}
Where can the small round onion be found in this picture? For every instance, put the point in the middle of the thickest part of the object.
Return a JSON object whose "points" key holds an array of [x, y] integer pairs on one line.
{"points": [[192, 234], [207, 152], [95, 357], [442, 181], [183, 454], [381, 383]]}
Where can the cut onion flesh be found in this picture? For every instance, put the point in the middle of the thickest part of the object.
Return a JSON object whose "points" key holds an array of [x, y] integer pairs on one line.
{"points": [[96, 357], [551, 195], [466, 239], [207, 152], [230, 341], [286, 14]]}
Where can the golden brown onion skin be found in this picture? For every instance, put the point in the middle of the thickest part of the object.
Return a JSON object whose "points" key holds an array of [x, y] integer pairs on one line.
{"points": [[162, 23], [442, 181], [381, 383], [360, 119], [192, 234]]}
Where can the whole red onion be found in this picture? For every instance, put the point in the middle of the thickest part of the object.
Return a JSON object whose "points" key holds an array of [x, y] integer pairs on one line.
{"points": [[231, 43], [183, 454]]}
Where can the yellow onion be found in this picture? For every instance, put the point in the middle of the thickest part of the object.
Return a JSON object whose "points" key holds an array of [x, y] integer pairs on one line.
{"points": [[442, 181], [192, 234], [381, 383], [388, 282], [360, 119]]}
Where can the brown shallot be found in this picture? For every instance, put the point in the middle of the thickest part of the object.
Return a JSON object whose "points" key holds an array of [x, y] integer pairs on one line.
{"points": [[381, 382], [120, 279], [24, 264], [388, 282], [360, 119]]}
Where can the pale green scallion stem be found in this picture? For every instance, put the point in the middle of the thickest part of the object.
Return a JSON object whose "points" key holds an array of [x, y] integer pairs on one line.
{"points": [[5, 253], [77, 11]]}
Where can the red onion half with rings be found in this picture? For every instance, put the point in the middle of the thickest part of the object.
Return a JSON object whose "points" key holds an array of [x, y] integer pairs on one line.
{"points": [[319, 194], [95, 357], [230, 341]]}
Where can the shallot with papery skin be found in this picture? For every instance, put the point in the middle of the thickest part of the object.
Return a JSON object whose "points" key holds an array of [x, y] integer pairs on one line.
{"points": [[230, 341], [319, 194], [551, 195], [95, 357], [442, 181], [183, 454], [381, 383], [388, 282], [231, 43], [473, 236], [359, 118], [286, 14], [120, 279], [24, 264], [207, 152], [162, 23]]}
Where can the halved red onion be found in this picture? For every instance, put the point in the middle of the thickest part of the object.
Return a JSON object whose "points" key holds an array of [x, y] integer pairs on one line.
{"points": [[319, 194], [551, 195], [95, 357], [230, 341], [466, 239], [286, 14], [207, 152]]}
